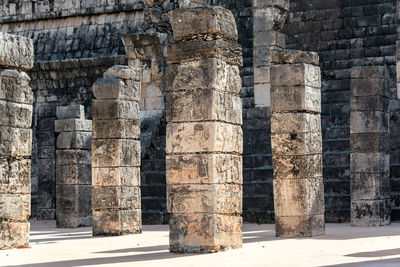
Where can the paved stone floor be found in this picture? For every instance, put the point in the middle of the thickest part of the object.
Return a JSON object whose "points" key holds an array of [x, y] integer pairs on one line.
{"points": [[343, 245]]}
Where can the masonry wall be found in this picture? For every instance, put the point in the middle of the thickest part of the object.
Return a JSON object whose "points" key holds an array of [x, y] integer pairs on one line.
{"points": [[345, 33]]}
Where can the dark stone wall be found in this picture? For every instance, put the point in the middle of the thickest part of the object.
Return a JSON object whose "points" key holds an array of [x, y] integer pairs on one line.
{"points": [[346, 33]]}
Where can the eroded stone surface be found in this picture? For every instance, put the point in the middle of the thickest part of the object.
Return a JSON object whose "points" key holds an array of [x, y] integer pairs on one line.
{"points": [[116, 198], [16, 52]]}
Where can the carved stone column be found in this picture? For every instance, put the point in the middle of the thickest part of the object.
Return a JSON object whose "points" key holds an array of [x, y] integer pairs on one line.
{"points": [[369, 158], [16, 100], [297, 143], [204, 135], [116, 153]]}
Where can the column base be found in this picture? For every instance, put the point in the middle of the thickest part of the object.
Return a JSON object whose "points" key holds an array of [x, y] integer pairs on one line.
{"points": [[116, 222], [300, 226], [204, 233], [14, 235], [366, 213]]}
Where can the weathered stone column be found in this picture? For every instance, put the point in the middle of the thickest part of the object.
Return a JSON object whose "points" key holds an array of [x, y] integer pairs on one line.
{"points": [[369, 158], [297, 144], [204, 135], [16, 100], [116, 153], [73, 167], [269, 19]]}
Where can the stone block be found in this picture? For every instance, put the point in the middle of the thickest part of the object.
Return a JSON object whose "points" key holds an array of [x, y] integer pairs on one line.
{"points": [[370, 186], [116, 197], [288, 56], [270, 18], [116, 128], [210, 21], [370, 87], [117, 88], [300, 226], [283, 4], [73, 156], [116, 176], [295, 122], [14, 86], [262, 75], [296, 143], [262, 56], [196, 232], [123, 72], [297, 167], [70, 112], [115, 153], [15, 207], [115, 109], [74, 174], [369, 142], [203, 105], [295, 99], [210, 73], [269, 39], [295, 75], [298, 197], [15, 114], [369, 122], [116, 222], [204, 169], [73, 125], [370, 162], [228, 51], [204, 137], [262, 95], [359, 72], [16, 52], [370, 212], [15, 176], [78, 140], [369, 103], [204, 198], [14, 235], [15, 142], [67, 198]]}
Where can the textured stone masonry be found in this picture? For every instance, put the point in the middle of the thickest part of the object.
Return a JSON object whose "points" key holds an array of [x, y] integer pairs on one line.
{"points": [[16, 100], [116, 201], [73, 178], [369, 158], [204, 135], [269, 19], [297, 144]]}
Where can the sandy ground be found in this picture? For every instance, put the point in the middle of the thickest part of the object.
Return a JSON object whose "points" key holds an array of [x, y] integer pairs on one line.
{"points": [[342, 245]]}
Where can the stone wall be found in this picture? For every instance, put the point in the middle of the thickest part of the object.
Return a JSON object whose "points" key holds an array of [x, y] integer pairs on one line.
{"points": [[346, 34]]}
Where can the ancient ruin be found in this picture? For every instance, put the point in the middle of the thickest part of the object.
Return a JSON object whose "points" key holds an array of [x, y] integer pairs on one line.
{"points": [[203, 115], [369, 158], [204, 135], [73, 167], [116, 153], [16, 99], [297, 143]]}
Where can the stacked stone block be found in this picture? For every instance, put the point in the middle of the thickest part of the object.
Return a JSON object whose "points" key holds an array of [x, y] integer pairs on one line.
{"points": [[370, 158], [297, 144], [16, 100], [73, 167], [269, 19], [204, 135], [116, 153]]}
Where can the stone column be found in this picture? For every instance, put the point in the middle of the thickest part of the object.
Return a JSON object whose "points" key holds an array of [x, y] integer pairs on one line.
{"points": [[16, 100], [297, 144], [73, 167], [369, 158], [204, 135], [116, 153], [269, 19]]}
